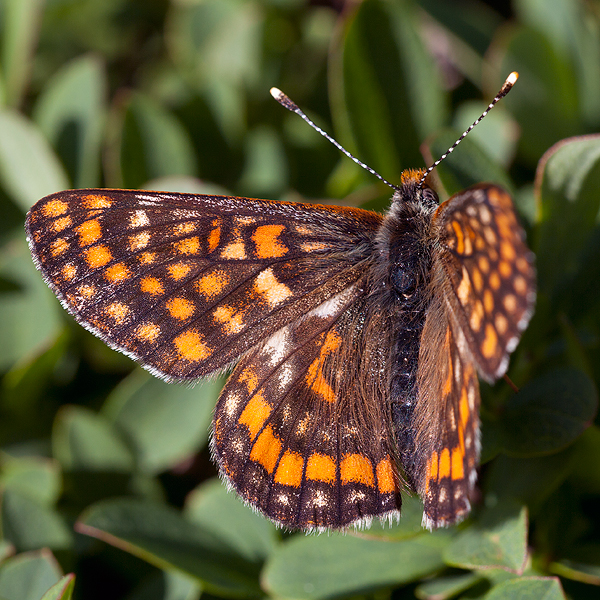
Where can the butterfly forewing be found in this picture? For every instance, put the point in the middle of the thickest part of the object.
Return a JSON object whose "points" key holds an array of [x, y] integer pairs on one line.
{"points": [[184, 283], [490, 272]]}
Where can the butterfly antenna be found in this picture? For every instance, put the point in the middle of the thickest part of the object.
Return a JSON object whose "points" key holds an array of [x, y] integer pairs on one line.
{"points": [[290, 105], [506, 87]]}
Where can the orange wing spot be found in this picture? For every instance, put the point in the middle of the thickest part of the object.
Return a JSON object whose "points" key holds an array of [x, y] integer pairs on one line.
{"points": [[249, 377], [212, 284], [187, 246], [432, 469], [147, 258], [266, 449], [190, 346], [488, 302], [54, 208], [460, 238], [476, 315], [444, 466], [86, 291], [289, 471], [236, 250], [314, 376], [183, 228], [520, 285], [89, 232], [463, 291], [61, 224], [151, 285], [505, 269], [484, 264], [68, 272], [507, 251], [117, 311], [270, 289], [179, 270], [255, 414], [510, 303], [97, 256], [458, 468], [59, 246], [214, 236], [501, 323], [477, 279], [320, 467], [232, 320], [494, 280], [386, 481], [463, 408], [357, 468], [93, 201], [139, 240], [117, 273], [147, 332], [267, 244], [490, 343], [180, 308]]}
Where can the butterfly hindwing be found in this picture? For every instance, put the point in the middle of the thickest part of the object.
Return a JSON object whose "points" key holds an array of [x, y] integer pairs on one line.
{"points": [[294, 435], [188, 283]]}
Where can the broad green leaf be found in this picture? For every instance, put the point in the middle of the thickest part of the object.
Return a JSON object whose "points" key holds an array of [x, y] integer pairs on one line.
{"points": [[153, 143], [222, 513], [568, 191], [29, 169], [548, 413], [28, 576], [525, 588], [71, 114], [85, 441], [30, 525], [496, 539], [167, 585], [61, 590], [35, 476], [442, 588], [345, 565], [545, 100], [381, 84], [30, 316], [20, 29], [165, 423], [162, 537]]}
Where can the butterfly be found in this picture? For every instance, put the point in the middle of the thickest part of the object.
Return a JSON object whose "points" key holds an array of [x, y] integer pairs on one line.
{"points": [[355, 339]]}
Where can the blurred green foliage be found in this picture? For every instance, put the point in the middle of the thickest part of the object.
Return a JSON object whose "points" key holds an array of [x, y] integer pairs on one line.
{"points": [[104, 471]]}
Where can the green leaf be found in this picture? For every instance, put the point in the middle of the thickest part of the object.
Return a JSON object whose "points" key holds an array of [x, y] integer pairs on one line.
{"points": [[568, 191], [30, 316], [71, 114], [344, 565], [162, 537], [167, 585], [61, 590], [29, 169], [165, 423], [30, 525], [549, 413], [85, 441], [222, 513], [153, 143], [28, 576], [35, 476], [20, 29], [525, 588], [496, 539], [382, 91], [442, 588]]}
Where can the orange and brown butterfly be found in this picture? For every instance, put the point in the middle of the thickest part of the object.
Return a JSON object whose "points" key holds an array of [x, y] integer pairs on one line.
{"points": [[356, 337]]}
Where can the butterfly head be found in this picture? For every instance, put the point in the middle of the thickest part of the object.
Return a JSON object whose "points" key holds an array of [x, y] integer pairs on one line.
{"points": [[413, 191]]}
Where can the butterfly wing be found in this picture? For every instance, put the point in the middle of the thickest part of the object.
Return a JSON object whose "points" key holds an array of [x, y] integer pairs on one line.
{"points": [[489, 274], [296, 435], [186, 284], [483, 289]]}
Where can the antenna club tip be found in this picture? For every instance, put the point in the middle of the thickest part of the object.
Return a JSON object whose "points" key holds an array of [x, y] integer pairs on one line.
{"points": [[512, 78], [276, 93]]}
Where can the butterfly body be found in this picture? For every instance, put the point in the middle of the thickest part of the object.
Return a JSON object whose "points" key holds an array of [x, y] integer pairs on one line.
{"points": [[356, 337]]}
